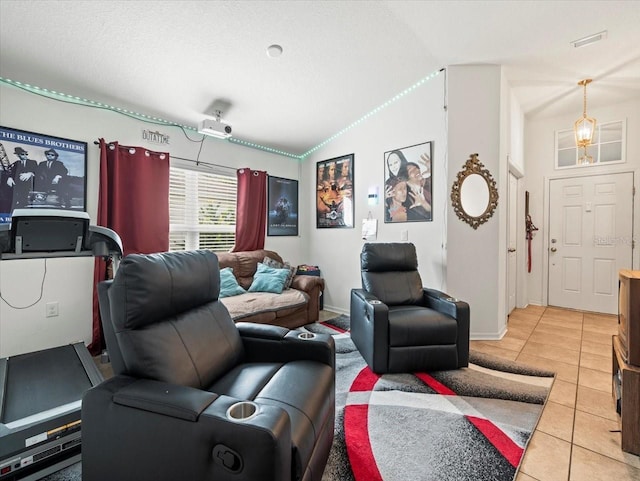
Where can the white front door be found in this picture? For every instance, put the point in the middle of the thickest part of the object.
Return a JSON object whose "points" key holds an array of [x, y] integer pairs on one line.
{"points": [[590, 240], [511, 243]]}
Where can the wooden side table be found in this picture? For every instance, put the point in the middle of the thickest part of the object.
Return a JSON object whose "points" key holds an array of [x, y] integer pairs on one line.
{"points": [[630, 402]]}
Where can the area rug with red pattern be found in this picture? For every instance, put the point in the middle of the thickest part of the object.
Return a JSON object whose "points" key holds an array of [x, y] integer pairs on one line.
{"points": [[466, 424]]}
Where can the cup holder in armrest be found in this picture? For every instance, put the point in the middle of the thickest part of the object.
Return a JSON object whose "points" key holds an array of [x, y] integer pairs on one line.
{"points": [[306, 335], [451, 299], [375, 302], [242, 411]]}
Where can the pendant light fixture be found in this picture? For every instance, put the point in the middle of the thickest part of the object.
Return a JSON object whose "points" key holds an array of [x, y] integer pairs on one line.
{"points": [[584, 128]]}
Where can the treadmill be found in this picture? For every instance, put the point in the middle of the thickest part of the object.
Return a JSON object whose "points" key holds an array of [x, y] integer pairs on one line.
{"points": [[41, 392]]}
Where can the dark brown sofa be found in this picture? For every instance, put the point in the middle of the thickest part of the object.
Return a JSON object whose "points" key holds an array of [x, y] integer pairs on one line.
{"points": [[295, 307]]}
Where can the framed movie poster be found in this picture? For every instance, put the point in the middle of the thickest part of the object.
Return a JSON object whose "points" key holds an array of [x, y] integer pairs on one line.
{"points": [[407, 184], [334, 192], [41, 171], [282, 218]]}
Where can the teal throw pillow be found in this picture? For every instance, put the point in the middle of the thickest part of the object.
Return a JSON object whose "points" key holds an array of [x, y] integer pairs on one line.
{"points": [[228, 284], [268, 261], [268, 279]]}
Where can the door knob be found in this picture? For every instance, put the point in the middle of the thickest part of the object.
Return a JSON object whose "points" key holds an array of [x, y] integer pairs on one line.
{"points": [[553, 249]]}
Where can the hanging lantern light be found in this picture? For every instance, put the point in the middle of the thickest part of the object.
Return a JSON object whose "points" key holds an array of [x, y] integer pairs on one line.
{"points": [[584, 128]]}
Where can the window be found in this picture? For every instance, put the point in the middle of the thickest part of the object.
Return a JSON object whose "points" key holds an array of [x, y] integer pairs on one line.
{"points": [[608, 146], [202, 210]]}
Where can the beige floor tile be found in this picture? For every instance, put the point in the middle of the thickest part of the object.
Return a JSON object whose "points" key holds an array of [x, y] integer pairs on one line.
{"points": [[594, 379], [587, 465], [534, 309], [563, 323], [551, 352], [607, 329], [508, 343], [564, 372], [595, 361], [598, 403], [600, 319], [599, 337], [570, 332], [523, 323], [597, 348], [563, 314], [547, 458], [487, 348], [557, 420], [326, 315], [559, 340], [524, 317], [595, 434], [563, 393], [518, 332], [524, 477]]}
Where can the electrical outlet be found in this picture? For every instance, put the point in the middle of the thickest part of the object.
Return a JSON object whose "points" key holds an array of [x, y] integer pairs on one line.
{"points": [[52, 309], [404, 235]]}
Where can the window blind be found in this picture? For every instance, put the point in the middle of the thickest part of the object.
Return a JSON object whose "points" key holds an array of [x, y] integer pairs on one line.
{"points": [[202, 210]]}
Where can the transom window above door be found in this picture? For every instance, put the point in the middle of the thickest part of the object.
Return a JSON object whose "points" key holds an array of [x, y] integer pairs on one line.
{"points": [[608, 146]]}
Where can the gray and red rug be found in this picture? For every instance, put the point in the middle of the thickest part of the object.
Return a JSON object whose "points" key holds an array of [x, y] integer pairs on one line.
{"points": [[470, 424], [467, 424]]}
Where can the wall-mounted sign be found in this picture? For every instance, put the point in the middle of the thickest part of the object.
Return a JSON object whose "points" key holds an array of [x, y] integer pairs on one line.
{"points": [[155, 137]]}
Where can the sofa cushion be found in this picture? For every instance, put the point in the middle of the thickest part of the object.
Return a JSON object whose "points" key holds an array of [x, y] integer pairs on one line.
{"points": [[252, 303], [228, 284], [268, 279]]}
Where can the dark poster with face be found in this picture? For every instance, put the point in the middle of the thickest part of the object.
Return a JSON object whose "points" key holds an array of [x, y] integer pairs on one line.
{"points": [[407, 185], [283, 207], [40, 171], [334, 192]]}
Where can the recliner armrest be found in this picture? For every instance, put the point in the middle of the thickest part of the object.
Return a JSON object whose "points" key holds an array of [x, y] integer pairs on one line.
{"points": [[446, 304], [173, 400], [268, 343]]}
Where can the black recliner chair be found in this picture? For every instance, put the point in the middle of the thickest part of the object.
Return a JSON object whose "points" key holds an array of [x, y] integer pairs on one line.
{"points": [[397, 324], [195, 396]]}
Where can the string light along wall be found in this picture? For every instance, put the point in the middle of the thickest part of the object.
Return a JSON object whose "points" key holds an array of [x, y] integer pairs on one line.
{"points": [[52, 94]]}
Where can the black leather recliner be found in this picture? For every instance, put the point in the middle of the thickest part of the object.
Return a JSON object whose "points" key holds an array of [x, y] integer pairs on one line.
{"points": [[173, 410], [397, 324]]}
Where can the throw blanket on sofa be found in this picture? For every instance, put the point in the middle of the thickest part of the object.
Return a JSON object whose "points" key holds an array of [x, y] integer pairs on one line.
{"points": [[253, 303]]}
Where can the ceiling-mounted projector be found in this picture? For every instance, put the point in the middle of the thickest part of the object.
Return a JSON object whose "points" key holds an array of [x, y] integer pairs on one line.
{"points": [[215, 128]]}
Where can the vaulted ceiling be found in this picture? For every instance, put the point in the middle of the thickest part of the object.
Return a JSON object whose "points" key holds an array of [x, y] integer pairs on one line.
{"points": [[179, 60]]}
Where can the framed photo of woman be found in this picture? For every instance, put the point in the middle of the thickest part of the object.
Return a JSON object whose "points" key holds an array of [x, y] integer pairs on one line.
{"points": [[334, 192], [407, 184]]}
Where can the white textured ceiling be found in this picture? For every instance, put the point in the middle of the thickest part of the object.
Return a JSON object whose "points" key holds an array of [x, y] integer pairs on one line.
{"points": [[174, 59]]}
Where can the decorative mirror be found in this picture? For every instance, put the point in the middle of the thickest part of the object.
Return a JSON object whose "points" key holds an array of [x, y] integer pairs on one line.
{"points": [[474, 194]]}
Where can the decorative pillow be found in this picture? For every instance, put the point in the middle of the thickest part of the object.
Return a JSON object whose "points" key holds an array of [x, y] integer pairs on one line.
{"points": [[269, 262], [268, 279], [228, 283]]}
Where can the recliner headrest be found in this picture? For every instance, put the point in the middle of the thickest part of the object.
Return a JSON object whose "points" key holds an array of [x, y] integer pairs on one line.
{"points": [[393, 256], [151, 287]]}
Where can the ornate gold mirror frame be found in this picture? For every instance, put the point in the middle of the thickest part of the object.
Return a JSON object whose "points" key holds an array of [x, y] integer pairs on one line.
{"points": [[473, 167]]}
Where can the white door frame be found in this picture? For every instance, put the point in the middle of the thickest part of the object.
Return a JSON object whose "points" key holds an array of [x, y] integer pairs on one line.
{"points": [[521, 286], [590, 171]]}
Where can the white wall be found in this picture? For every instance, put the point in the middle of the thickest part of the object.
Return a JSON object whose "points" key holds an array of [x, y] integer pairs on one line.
{"points": [[539, 141], [68, 281], [476, 259], [413, 119]]}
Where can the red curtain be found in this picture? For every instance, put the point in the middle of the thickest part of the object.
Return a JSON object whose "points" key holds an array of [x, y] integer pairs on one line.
{"points": [[133, 200], [251, 212]]}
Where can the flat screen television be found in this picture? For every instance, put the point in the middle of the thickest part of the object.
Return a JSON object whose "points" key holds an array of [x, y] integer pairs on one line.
{"points": [[629, 315]]}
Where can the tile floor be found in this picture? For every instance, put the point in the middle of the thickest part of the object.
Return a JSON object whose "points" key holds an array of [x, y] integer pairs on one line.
{"points": [[577, 437]]}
